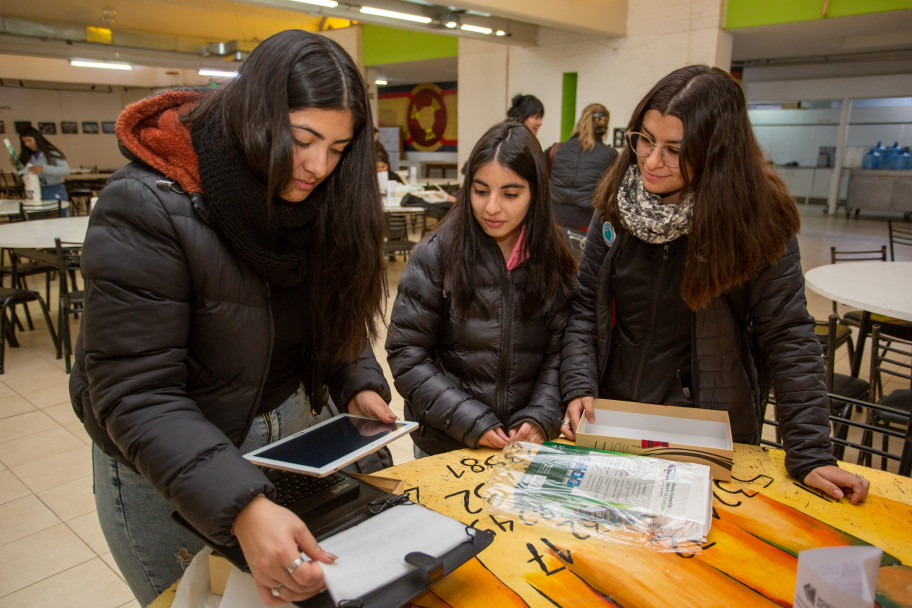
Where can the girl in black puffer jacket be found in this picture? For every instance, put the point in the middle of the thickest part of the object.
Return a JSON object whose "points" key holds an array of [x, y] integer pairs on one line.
{"points": [[475, 336]]}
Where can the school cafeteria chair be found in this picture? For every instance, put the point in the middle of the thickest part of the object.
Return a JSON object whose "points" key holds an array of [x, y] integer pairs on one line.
{"points": [[11, 185], [397, 241], [837, 386], [890, 358], [80, 200], [9, 297], [900, 234], [39, 210], [72, 300]]}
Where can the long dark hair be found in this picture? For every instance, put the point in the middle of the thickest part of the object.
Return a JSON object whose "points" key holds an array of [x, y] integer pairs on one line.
{"points": [[744, 216], [465, 246], [294, 70], [50, 151], [524, 106]]}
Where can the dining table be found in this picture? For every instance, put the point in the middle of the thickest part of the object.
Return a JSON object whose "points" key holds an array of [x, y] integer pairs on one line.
{"points": [[10, 206], [874, 287], [40, 234], [762, 520]]}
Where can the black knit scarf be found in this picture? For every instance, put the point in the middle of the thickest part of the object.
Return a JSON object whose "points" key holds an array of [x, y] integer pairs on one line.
{"points": [[273, 240]]}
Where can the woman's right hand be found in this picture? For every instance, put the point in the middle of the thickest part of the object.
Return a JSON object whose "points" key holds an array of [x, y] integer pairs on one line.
{"points": [[575, 410], [272, 538], [494, 438]]}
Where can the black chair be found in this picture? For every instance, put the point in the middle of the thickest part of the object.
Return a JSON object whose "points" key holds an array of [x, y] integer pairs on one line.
{"points": [[397, 241], [890, 326], [80, 200], [9, 297], [72, 300], [866, 449], [890, 358], [574, 239], [900, 234], [836, 384], [39, 210], [11, 185], [839, 384]]}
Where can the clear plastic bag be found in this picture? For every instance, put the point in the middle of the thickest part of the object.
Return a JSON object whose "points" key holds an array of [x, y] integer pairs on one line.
{"points": [[624, 498]]}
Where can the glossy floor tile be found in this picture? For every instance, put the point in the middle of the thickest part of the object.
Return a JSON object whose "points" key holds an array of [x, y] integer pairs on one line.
{"points": [[51, 548]]}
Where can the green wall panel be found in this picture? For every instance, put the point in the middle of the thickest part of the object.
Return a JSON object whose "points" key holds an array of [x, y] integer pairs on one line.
{"points": [[568, 105], [391, 45], [751, 13]]}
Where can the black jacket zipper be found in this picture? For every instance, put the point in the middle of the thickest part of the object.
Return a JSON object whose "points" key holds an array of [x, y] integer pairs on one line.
{"points": [[651, 327]]}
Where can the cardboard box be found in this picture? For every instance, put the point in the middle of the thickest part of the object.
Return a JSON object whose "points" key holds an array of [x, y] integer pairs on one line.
{"points": [[661, 431]]}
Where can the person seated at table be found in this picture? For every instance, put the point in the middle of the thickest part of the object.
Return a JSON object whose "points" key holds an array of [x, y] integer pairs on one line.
{"points": [[224, 295], [40, 157], [690, 287], [475, 333], [529, 110], [383, 165]]}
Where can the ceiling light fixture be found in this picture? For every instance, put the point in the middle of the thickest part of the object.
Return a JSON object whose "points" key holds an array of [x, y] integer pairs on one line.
{"points": [[369, 10], [326, 3], [476, 29], [500, 33], [217, 73], [381, 83], [451, 24], [107, 65]]}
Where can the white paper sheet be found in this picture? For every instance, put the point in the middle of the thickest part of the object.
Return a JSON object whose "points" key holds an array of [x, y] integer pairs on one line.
{"points": [[838, 577]]}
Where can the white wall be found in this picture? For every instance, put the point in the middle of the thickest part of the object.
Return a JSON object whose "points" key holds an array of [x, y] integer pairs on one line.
{"points": [[38, 105], [661, 36]]}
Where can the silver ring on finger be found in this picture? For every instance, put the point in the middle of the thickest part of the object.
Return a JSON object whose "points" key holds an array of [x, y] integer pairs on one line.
{"points": [[300, 560], [566, 422], [276, 591]]}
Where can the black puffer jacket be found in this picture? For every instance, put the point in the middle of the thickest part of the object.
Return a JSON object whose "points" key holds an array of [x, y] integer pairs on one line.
{"points": [[461, 379], [574, 176], [758, 332], [174, 348]]}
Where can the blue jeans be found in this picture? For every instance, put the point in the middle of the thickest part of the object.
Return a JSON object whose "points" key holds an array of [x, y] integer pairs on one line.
{"points": [[150, 549], [50, 193]]}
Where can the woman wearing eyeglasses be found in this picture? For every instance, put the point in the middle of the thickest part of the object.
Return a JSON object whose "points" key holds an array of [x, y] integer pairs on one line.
{"points": [[690, 286]]}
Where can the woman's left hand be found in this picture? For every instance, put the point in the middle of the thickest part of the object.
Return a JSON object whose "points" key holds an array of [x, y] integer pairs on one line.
{"points": [[527, 431], [36, 169], [372, 405], [838, 483]]}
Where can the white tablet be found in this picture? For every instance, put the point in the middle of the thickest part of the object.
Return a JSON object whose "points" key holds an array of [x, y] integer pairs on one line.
{"points": [[330, 445]]}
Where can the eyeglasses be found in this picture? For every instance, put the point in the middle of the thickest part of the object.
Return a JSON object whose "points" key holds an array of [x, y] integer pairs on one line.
{"points": [[642, 145]]}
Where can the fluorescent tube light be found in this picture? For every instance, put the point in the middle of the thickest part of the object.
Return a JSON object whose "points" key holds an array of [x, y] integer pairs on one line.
{"points": [[369, 10], [476, 29], [381, 83], [217, 73], [107, 65], [326, 3]]}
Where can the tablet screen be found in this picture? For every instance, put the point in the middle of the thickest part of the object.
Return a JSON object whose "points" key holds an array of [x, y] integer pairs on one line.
{"points": [[330, 445]]}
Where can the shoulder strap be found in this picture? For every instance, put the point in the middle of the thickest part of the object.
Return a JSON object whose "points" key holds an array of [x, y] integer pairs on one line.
{"points": [[551, 154]]}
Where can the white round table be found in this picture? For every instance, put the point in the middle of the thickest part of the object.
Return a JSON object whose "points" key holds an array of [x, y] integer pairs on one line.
{"points": [[881, 287], [40, 234], [874, 287], [10, 206]]}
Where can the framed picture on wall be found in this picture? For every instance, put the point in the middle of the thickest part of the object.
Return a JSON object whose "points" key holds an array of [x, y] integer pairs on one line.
{"points": [[107, 126], [47, 128], [69, 127], [21, 124], [89, 127]]}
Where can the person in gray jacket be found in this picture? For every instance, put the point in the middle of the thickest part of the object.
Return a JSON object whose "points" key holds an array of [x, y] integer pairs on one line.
{"points": [[42, 158], [475, 333], [690, 286], [578, 166], [233, 271]]}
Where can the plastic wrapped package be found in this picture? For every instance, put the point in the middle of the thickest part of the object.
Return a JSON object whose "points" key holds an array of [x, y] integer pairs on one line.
{"points": [[623, 498]]}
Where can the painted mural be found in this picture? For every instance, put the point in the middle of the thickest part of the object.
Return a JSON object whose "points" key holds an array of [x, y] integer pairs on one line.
{"points": [[426, 112]]}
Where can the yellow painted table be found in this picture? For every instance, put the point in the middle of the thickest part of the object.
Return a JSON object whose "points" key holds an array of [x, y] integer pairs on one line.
{"points": [[761, 521]]}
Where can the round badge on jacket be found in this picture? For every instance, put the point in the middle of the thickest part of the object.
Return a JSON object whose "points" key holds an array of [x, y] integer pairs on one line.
{"points": [[608, 233]]}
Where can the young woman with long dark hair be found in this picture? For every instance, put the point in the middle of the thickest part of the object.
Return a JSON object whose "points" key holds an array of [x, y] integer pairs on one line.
{"points": [[475, 334], [42, 158], [690, 285], [233, 274]]}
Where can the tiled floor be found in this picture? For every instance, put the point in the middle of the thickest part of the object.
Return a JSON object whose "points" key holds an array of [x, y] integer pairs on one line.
{"points": [[51, 547]]}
